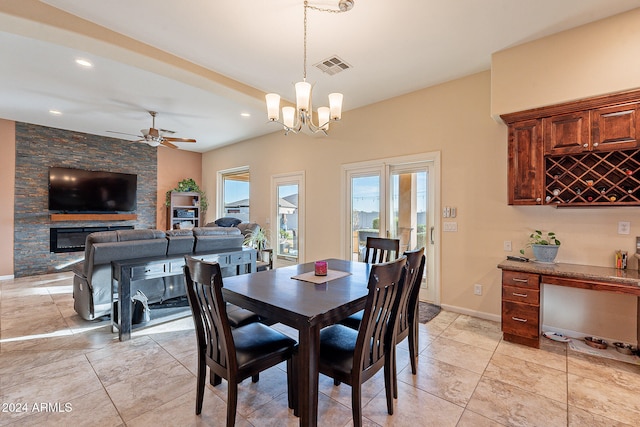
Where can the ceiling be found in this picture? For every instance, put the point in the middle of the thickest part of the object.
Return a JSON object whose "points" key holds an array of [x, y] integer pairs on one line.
{"points": [[202, 63]]}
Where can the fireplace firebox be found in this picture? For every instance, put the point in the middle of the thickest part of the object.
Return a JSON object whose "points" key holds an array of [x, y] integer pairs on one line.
{"points": [[72, 239]]}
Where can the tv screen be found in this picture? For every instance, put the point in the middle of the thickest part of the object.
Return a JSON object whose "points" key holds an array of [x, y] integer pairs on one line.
{"points": [[77, 190]]}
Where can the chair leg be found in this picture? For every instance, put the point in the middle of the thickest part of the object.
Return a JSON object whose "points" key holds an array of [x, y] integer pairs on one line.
{"points": [[336, 382], [292, 380], [202, 373], [232, 402], [255, 378], [394, 372], [413, 346], [214, 379], [356, 404], [390, 380]]}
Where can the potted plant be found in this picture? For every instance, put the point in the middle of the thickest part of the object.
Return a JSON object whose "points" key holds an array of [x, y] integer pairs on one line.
{"points": [[544, 246], [186, 185], [258, 239]]}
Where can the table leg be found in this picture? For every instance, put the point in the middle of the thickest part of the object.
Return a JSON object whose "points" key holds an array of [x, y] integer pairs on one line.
{"points": [[308, 351], [124, 309]]}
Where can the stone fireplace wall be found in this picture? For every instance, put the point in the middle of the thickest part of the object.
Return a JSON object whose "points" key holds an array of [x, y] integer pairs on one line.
{"points": [[38, 148]]}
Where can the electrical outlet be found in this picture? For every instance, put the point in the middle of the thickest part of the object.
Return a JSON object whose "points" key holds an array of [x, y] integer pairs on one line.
{"points": [[507, 246], [477, 289], [624, 227]]}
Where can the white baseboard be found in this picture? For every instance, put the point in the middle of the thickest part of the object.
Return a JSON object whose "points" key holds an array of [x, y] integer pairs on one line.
{"points": [[473, 313], [9, 277]]}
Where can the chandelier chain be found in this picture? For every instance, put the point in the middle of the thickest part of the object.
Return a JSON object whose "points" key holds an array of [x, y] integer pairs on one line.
{"points": [[319, 9]]}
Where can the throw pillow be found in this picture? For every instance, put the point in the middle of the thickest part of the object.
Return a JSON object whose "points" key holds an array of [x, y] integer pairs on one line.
{"points": [[227, 222]]}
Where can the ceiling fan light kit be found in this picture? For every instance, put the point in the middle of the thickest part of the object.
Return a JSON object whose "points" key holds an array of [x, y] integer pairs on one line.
{"points": [[293, 119], [154, 137]]}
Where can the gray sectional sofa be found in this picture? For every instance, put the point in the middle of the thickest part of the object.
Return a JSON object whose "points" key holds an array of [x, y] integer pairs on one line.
{"points": [[92, 282]]}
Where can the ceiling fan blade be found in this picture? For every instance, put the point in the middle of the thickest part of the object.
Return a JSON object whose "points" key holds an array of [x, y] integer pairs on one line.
{"points": [[167, 138], [167, 131], [122, 133], [154, 133], [168, 144]]}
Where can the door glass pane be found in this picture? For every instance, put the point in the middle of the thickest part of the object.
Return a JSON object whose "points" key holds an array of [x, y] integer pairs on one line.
{"points": [[409, 208], [235, 188], [365, 212], [288, 221]]}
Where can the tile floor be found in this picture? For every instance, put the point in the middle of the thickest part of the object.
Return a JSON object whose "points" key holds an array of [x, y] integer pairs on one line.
{"points": [[57, 369]]}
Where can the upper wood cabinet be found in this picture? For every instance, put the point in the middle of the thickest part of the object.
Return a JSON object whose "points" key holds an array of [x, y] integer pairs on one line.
{"points": [[578, 153], [566, 133], [526, 163], [614, 128]]}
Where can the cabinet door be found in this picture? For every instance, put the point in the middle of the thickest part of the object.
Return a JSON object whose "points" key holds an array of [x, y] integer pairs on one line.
{"points": [[614, 128], [566, 134], [525, 178]]}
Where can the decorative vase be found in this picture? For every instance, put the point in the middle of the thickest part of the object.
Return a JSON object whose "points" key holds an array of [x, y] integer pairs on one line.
{"points": [[545, 253]]}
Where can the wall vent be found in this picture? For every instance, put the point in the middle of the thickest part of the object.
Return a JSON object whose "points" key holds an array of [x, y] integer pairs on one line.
{"points": [[332, 65]]}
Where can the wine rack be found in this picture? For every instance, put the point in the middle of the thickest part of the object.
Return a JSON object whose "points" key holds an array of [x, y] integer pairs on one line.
{"points": [[593, 179]]}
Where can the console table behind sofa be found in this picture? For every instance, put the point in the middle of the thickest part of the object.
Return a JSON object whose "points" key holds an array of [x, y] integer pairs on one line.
{"points": [[522, 292]]}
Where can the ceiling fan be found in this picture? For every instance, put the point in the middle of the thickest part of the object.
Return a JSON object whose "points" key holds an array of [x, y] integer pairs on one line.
{"points": [[155, 137]]}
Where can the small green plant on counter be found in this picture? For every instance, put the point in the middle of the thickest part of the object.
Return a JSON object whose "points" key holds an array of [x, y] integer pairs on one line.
{"points": [[540, 238]]}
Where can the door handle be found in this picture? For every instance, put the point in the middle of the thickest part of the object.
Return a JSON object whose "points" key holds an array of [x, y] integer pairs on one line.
{"points": [[431, 235]]}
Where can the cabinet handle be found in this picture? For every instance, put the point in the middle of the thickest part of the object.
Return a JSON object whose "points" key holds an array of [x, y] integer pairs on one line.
{"points": [[538, 200], [518, 319], [595, 144], [519, 295], [515, 279], [585, 145]]}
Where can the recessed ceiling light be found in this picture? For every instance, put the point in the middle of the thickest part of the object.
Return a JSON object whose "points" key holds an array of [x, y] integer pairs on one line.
{"points": [[245, 114], [55, 112], [83, 62]]}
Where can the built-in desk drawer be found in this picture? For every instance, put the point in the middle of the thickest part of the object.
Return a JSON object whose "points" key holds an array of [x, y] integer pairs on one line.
{"points": [[222, 259], [520, 319], [149, 270], [519, 294], [519, 279], [176, 266]]}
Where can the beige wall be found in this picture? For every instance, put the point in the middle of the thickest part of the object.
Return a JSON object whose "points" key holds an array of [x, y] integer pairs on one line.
{"points": [[173, 167], [594, 59], [7, 178], [452, 118]]}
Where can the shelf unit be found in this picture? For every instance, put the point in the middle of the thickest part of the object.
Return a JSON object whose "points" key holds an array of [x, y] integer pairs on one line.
{"points": [[593, 179], [183, 210]]}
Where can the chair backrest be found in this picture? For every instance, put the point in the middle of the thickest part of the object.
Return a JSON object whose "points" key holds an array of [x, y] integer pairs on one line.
{"points": [[213, 332], [379, 250], [376, 329], [408, 304]]}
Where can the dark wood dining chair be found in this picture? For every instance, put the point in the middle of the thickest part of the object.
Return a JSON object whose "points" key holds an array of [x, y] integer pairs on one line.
{"points": [[351, 356], [407, 315], [380, 249], [407, 318], [232, 354]]}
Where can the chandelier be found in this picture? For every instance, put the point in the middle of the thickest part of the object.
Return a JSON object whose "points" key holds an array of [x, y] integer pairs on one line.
{"points": [[293, 119]]}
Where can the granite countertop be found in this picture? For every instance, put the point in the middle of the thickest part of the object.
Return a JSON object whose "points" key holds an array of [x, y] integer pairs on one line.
{"points": [[575, 271]]}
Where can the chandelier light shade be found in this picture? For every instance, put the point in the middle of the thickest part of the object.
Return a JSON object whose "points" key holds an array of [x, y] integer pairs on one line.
{"points": [[293, 119]]}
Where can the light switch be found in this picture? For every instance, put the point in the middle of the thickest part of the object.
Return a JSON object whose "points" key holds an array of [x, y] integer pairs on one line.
{"points": [[450, 226], [624, 227]]}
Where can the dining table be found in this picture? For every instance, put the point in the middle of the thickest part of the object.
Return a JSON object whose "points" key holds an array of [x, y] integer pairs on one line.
{"points": [[281, 296]]}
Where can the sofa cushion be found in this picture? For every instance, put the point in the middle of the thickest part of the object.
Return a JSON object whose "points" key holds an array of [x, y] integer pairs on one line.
{"points": [[216, 238], [227, 222], [248, 228], [139, 234], [180, 242]]}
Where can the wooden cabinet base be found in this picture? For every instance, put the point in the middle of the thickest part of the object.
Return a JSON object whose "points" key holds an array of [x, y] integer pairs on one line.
{"points": [[531, 342]]}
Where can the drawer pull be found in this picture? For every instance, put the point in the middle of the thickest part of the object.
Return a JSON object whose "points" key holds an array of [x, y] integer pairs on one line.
{"points": [[518, 319], [519, 295], [515, 279]]}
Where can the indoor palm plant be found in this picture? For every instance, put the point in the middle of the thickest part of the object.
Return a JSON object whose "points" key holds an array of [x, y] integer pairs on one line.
{"points": [[544, 245]]}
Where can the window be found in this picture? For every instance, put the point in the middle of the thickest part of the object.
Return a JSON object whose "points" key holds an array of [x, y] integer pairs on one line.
{"points": [[234, 194]]}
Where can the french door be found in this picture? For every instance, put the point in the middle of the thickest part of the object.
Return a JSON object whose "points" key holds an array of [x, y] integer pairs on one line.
{"points": [[287, 213], [395, 198]]}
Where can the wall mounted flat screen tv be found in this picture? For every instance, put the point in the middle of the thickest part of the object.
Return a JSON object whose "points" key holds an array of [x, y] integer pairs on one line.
{"points": [[77, 190]]}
